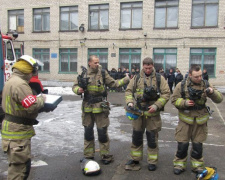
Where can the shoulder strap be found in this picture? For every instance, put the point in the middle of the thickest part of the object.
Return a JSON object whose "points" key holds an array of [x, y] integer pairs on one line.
{"points": [[206, 83], [103, 75], [183, 82], [137, 78], [158, 80]]}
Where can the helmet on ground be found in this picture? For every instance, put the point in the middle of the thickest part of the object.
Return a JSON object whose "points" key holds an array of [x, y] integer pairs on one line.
{"points": [[90, 167], [131, 116], [209, 173]]}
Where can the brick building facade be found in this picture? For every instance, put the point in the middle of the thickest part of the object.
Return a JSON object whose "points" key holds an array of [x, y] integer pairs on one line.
{"points": [[119, 43]]}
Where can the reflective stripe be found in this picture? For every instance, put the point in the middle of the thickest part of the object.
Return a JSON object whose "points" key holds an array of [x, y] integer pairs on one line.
{"points": [[153, 156], [146, 113], [17, 135], [196, 164], [87, 109], [104, 152], [97, 110], [186, 119], [95, 88], [190, 120], [93, 110], [178, 102], [8, 105], [76, 89], [162, 100], [179, 163], [203, 119], [128, 97], [6, 126], [139, 93], [121, 82], [18, 107], [136, 153], [89, 150]]}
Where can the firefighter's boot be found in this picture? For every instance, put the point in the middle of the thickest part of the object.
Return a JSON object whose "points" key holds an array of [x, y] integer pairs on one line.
{"points": [[107, 159], [152, 167], [178, 171], [132, 165]]}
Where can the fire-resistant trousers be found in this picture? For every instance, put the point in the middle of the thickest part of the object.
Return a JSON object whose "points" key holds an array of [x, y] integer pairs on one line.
{"points": [[152, 125], [102, 123], [197, 134], [19, 158]]}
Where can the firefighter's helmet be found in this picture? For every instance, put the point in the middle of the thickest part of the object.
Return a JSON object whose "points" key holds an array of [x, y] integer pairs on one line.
{"points": [[33, 62], [90, 167]]}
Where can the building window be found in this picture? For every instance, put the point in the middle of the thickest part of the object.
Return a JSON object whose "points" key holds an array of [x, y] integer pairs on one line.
{"points": [[205, 57], [42, 55], [16, 20], [166, 13], [102, 55], [69, 18], [99, 17], [131, 15], [165, 58], [18, 53], [130, 58], [205, 13], [68, 60], [41, 19]]}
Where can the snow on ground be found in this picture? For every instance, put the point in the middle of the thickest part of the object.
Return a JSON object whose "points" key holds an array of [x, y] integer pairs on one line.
{"points": [[61, 132]]}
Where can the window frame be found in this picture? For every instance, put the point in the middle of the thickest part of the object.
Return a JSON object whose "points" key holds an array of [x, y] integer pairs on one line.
{"points": [[69, 14], [205, 3], [42, 53], [202, 58], [130, 53], [164, 57], [17, 52], [68, 53], [42, 13], [18, 13], [99, 9], [166, 15], [131, 8], [98, 53]]}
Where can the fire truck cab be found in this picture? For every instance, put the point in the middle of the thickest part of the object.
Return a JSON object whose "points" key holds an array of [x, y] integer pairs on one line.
{"points": [[8, 58]]}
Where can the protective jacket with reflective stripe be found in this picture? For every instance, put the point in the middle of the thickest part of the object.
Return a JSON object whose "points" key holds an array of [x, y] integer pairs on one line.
{"points": [[189, 115], [135, 90], [16, 89], [96, 87]]}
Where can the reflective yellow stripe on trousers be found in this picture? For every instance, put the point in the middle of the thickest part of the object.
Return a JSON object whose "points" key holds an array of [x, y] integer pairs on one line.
{"points": [[15, 135]]}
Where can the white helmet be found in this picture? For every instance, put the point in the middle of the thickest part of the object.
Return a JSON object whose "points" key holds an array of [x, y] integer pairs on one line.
{"points": [[33, 62], [90, 167]]}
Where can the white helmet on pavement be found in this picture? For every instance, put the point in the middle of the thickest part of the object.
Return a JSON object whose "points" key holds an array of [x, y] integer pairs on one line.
{"points": [[90, 167]]}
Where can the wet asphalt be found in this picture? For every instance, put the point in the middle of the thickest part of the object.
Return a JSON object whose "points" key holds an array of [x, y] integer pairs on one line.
{"points": [[68, 167]]}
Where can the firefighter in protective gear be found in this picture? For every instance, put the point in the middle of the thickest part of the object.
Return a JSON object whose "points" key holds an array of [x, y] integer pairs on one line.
{"points": [[193, 117], [95, 108], [21, 109], [150, 120]]}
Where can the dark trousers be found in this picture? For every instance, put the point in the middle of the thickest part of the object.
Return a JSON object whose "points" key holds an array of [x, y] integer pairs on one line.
{"points": [[171, 86]]}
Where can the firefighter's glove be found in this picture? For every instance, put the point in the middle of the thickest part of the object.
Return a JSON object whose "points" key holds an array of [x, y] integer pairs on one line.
{"points": [[130, 105]]}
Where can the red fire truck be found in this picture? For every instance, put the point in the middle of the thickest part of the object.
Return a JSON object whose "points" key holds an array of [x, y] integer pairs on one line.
{"points": [[8, 58]]}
